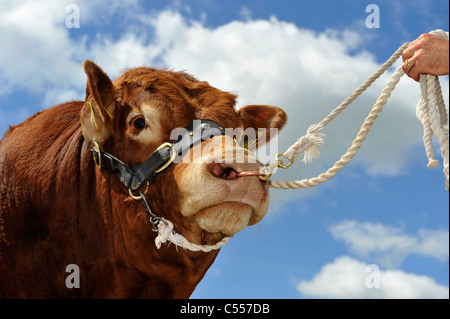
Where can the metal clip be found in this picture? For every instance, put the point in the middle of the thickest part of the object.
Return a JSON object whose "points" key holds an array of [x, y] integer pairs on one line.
{"points": [[141, 194], [154, 220], [279, 163]]}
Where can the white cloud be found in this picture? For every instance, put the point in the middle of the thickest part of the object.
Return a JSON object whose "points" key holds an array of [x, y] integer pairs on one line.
{"points": [[390, 245], [36, 48], [270, 61], [40, 56], [433, 243], [306, 73], [346, 277], [387, 246], [114, 56], [266, 61]]}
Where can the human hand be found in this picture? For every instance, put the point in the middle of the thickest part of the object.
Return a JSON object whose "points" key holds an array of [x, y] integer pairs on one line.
{"points": [[428, 54]]}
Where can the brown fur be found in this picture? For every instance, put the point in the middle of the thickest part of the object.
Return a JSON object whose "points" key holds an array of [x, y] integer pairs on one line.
{"points": [[57, 208]]}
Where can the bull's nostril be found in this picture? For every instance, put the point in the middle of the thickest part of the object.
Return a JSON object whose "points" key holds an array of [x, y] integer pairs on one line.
{"points": [[230, 174], [223, 172], [217, 170], [233, 171]]}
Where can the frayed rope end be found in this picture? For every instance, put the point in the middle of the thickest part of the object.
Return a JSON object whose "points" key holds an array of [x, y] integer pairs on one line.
{"points": [[315, 139]]}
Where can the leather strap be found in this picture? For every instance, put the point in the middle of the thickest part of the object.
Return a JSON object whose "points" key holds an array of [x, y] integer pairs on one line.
{"points": [[140, 174]]}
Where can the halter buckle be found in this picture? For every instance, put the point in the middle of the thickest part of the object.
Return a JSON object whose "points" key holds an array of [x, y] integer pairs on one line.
{"points": [[171, 159]]}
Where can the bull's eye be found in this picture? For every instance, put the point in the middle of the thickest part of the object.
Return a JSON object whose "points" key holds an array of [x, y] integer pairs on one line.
{"points": [[139, 123]]}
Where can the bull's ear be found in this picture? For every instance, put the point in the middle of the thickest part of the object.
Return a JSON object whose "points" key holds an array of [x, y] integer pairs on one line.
{"points": [[265, 120], [99, 107]]}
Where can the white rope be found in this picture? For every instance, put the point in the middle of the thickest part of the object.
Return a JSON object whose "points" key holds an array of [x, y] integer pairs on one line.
{"points": [[166, 233], [430, 111]]}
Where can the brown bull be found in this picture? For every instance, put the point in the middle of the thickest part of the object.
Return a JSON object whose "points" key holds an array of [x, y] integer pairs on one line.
{"points": [[58, 208]]}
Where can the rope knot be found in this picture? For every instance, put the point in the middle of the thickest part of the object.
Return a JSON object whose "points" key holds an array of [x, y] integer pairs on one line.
{"points": [[431, 112], [167, 234], [165, 229], [314, 139], [308, 144]]}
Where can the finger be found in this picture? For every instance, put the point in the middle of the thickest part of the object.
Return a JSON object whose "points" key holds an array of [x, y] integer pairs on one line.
{"points": [[405, 68], [414, 74], [409, 68], [408, 53], [407, 65], [414, 71]]}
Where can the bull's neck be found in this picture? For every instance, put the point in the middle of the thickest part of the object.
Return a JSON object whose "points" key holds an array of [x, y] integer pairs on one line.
{"points": [[168, 272]]}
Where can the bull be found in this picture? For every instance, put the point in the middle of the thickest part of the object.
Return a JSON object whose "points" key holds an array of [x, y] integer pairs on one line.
{"points": [[92, 183]]}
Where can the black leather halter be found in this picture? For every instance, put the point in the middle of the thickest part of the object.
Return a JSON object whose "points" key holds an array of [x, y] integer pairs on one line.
{"points": [[142, 174]]}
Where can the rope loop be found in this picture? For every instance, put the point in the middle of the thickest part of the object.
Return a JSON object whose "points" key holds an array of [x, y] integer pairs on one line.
{"points": [[430, 111], [166, 233]]}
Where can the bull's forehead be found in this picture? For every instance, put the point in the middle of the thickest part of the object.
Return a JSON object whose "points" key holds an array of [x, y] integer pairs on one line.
{"points": [[175, 98]]}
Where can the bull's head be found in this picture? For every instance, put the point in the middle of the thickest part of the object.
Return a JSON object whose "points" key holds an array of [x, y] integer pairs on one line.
{"points": [[206, 195]]}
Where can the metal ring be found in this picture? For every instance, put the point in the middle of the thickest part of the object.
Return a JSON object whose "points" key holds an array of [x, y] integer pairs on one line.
{"points": [[280, 161], [407, 63], [97, 149], [171, 159], [140, 196], [265, 177]]}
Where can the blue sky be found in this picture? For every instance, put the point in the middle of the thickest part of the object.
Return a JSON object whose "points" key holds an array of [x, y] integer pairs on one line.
{"points": [[385, 208]]}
